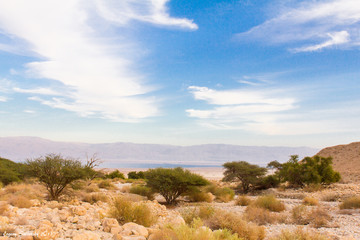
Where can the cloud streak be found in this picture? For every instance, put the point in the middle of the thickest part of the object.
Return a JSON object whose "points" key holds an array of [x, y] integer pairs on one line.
{"points": [[316, 25], [96, 74]]}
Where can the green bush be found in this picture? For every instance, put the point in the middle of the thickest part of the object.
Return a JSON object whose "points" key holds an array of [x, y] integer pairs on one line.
{"points": [[107, 184], [136, 175], [224, 194], [11, 171], [171, 183], [143, 191], [115, 174]]}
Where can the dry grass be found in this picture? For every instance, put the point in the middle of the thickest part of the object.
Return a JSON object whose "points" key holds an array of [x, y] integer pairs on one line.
{"points": [[4, 208], [243, 200], [202, 212], [106, 184], [224, 194], [350, 203], [95, 197], [259, 216], [91, 188], [35, 191], [330, 197], [299, 215], [269, 202], [300, 234], [317, 217], [193, 232], [313, 187], [20, 202], [125, 211], [310, 201]]}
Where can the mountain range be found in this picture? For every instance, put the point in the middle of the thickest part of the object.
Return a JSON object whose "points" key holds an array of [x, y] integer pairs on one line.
{"points": [[147, 155]]}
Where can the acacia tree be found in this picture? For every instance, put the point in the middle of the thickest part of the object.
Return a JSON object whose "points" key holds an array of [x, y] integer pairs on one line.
{"points": [[172, 182], [56, 172], [248, 174]]}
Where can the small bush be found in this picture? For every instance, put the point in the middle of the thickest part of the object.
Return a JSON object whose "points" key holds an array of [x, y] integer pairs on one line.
{"points": [[259, 216], [319, 217], [136, 175], [202, 212], [222, 219], [300, 234], [243, 200], [91, 188], [106, 184], [4, 207], [78, 185], [224, 194], [330, 197], [95, 197], [299, 215], [351, 203], [143, 191], [20, 202], [310, 201], [126, 211], [200, 196], [269, 202]]}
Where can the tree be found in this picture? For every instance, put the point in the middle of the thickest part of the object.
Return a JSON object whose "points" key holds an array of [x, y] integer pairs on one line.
{"points": [[248, 174], [309, 170], [56, 172], [136, 175], [172, 182]]}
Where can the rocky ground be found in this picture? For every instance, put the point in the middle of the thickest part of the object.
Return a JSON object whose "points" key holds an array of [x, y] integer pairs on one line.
{"points": [[74, 218]]}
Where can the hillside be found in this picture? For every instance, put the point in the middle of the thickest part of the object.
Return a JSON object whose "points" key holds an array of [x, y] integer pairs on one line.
{"points": [[346, 160], [148, 155]]}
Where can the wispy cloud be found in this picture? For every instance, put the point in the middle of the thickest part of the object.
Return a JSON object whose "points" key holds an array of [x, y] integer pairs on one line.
{"points": [[96, 72], [235, 109], [3, 99], [315, 25]]}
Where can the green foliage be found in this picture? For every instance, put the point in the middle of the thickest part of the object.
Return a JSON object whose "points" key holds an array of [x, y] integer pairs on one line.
{"points": [[249, 175], [269, 202], [115, 174], [311, 170], [136, 175], [11, 171], [56, 172], [224, 194], [172, 182]]}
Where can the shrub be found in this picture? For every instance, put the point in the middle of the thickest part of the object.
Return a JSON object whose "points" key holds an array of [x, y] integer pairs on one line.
{"points": [[4, 207], [78, 185], [115, 174], [269, 202], [259, 216], [171, 183], [310, 201], [106, 184], [247, 174], [319, 217], [300, 214], [224, 194], [200, 196], [126, 211], [11, 172], [20, 202], [136, 175], [95, 197], [91, 188], [330, 197], [202, 212], [313, 187], [143, 191], [350, 203], [300, 234], [243, 200], [56, 172]]}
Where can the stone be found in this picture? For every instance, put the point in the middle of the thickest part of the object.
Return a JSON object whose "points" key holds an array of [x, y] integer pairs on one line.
{"points": [[46, 233], [134, 229], [86, 236], [109, 223], [116, 230], [79, 210], [4, 220], [35, 202], [45, 223]]}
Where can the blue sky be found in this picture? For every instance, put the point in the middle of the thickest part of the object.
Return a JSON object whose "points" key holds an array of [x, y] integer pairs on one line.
{"points": [[272, 73]]}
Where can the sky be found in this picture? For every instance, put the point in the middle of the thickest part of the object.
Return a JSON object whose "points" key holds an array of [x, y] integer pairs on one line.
{"points": [[264, 73]]}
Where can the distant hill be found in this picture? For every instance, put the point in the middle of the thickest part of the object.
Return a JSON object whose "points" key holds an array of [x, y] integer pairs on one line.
{"points": [[148, 155], [346, 160]]}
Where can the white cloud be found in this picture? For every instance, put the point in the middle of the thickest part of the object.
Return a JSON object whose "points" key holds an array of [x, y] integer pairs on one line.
{"points": [[3, 99], [235, 109], [151, 11], [29, 111], [315, 24], [5, 85], [96, 71]]}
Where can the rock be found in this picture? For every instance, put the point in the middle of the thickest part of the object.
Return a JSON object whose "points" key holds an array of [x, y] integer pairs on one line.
{"points": [[35, 202], [4, 220], [109, 223], [64, 215], [27, 237], [45, 223], [79, 210], [119, 237], [86, 236], [134, 229], [116, 230], [46, 233]]}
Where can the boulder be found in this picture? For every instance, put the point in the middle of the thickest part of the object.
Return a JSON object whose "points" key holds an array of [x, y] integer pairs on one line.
{"points": [[79, 210], [134, 229], [86, 236], [109, 223]]}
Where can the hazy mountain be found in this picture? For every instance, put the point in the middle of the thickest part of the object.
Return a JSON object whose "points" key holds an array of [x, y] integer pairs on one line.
{"points": [[131, 154]]}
